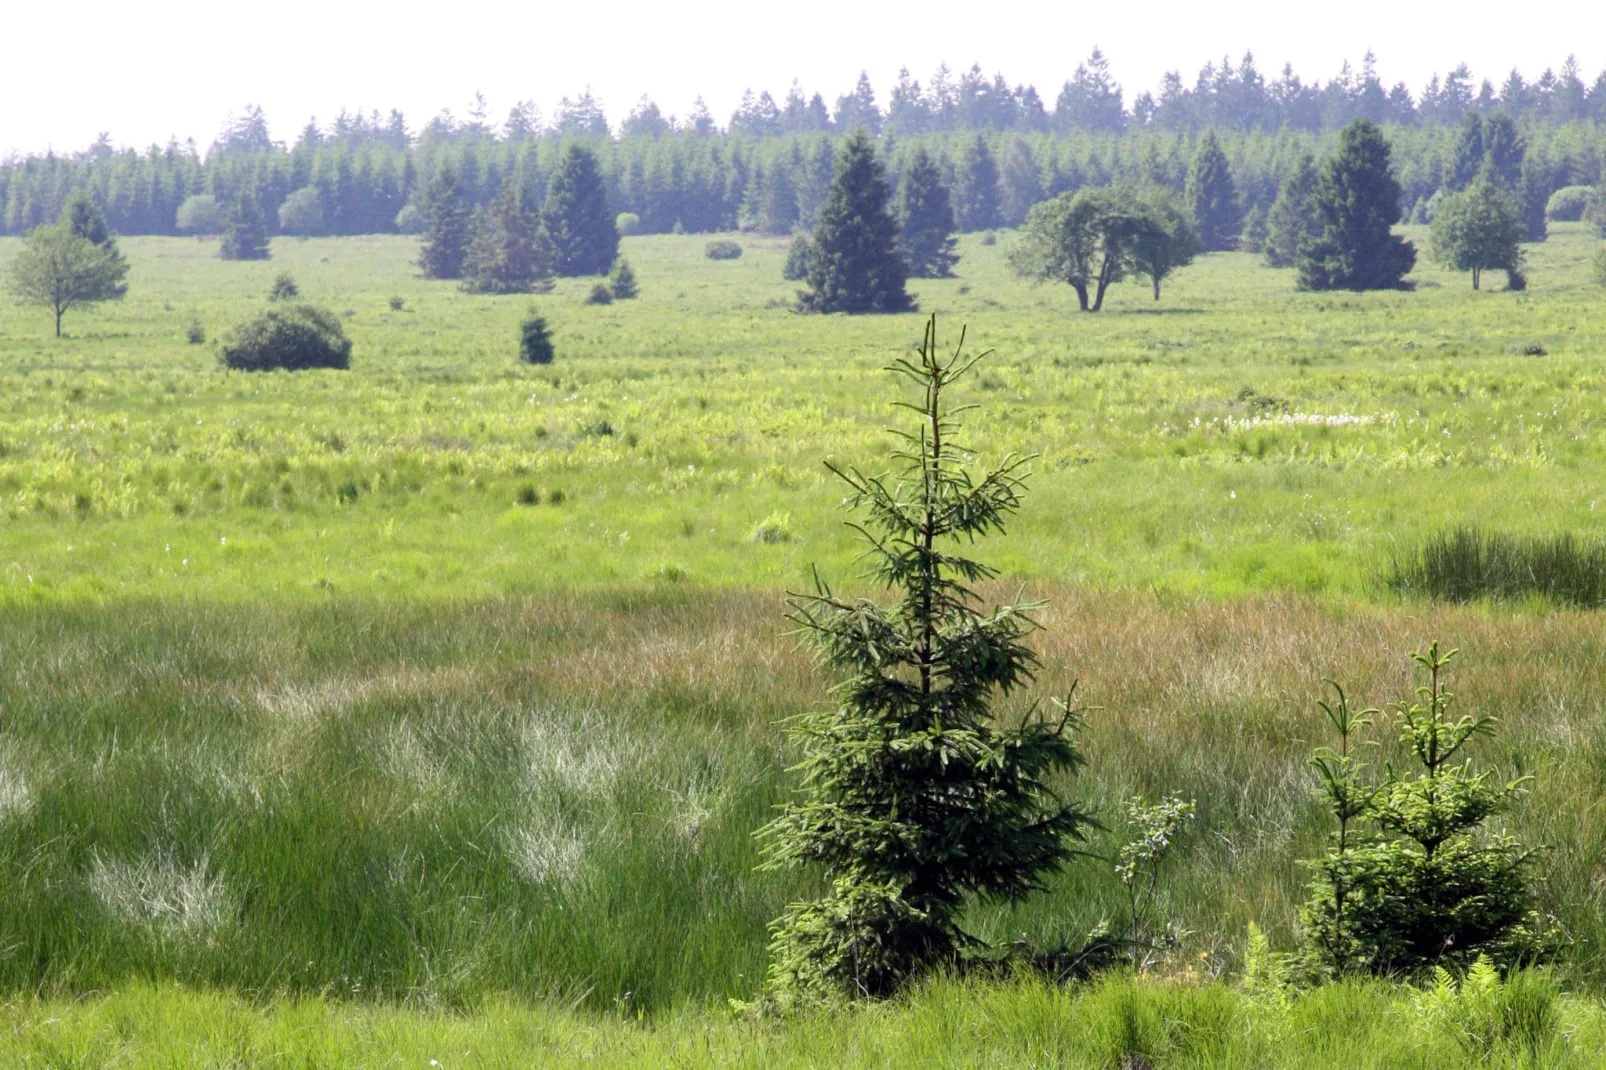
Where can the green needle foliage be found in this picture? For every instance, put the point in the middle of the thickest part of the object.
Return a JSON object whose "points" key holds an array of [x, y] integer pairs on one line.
{"points": [[245, 235], [1427, 885], [914, 799]]}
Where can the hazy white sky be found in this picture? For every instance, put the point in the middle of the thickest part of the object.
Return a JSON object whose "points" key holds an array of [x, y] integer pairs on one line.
{"points": [[144, 71]]}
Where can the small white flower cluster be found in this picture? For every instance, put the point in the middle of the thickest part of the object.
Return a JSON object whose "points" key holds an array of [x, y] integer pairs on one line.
{"points": [[1296, 419]]}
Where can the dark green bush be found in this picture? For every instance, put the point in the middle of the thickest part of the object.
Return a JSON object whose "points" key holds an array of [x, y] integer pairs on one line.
{"points": [[284, 288], [291, 337], [1468, 564], [722, 250], [195, 333], [535, 340], [623, 282], [600, 295]]}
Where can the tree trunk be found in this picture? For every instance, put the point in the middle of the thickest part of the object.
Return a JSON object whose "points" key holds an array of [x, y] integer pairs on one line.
{"points": [[1157, 287], [1081, 294], [1098, 298], [58, 321], [1474, 278]]}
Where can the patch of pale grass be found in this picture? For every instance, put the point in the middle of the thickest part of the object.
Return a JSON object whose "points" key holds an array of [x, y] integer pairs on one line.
{"points": [[582, 755], [546, 853], [157, 889], [16, 798]]}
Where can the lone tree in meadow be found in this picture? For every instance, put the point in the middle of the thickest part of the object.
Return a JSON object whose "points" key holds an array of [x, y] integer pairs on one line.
{"points": [[1292, 219], [855, 262], [1163, 237], [509, 253], [245, 233], [979, 202], [927, 214], [579, 225], [1477, 229], [1213, 195], [62, 270], [446, 227], [1096, 237], [915, 800], [1357, 203]]}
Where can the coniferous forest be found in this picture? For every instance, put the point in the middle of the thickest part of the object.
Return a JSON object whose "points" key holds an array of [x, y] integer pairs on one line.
{"points": [[693, 174]]}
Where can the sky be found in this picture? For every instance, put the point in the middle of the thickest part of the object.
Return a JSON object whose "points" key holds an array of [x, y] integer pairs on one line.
{"points": [[144, 72]]}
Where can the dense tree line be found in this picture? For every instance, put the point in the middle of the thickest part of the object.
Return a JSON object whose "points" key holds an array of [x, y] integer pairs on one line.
{"points": [[999, 149]]}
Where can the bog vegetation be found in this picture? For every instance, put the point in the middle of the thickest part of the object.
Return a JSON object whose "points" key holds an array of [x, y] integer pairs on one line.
{"points": [[381, 682]]}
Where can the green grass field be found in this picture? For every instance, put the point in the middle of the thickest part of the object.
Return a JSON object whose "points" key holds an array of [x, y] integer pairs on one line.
{"points": [[432, 705]]}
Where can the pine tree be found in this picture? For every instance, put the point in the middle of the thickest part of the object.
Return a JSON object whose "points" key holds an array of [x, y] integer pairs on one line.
{"points": [[1213, 195], [245, 235], [914, 799], [1292, 219], [928, 218], [855, 264], [623, 281], [979, 203], [576, 217], [446, 227], [508, 253], [1357, 203]]}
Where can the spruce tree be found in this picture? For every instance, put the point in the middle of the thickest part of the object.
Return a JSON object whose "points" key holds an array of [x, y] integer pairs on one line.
{"points": [[576, 218], [927, 214], [245, 235], [1357, 203], [855, 264], [1415, 879], [1292, 219], [623, 281], [446, 226], [979, 201], [775, 209], [84, 219], [1213, 195], [508, 253], [1253, 239], [914, 800], [796, 268]]}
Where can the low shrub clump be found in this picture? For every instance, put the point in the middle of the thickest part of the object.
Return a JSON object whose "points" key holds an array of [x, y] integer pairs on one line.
{"points": [[797, 260], [1567, 204], [1468, 564], [291, 337], [722, 250], [600, 295]]}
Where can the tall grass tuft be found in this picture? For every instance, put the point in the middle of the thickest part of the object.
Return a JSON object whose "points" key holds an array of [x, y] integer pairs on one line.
{"points": [[1467, 564]]}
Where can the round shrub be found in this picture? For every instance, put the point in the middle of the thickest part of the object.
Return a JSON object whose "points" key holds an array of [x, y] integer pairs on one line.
{"points": [[1567, 204], [410, 220], [291, 337], [302, 213], [535, 340], [199, 215], [627, 223], [722, 250]]}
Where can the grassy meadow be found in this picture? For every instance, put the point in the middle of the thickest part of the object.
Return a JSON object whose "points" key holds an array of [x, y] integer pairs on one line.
{"points": [[426, 710]]}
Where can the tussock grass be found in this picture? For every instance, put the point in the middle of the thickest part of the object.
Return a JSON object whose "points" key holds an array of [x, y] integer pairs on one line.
{"points": [[553, 797], [1470, 563]]}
